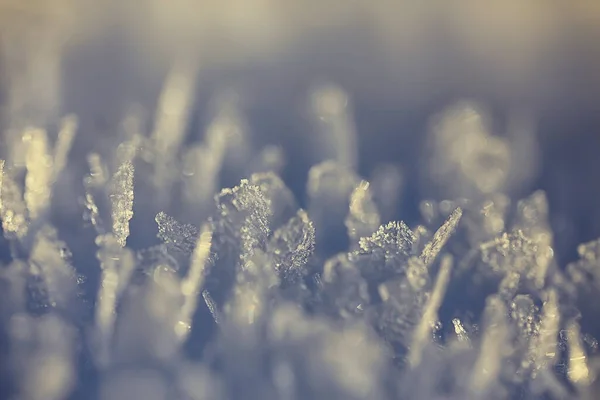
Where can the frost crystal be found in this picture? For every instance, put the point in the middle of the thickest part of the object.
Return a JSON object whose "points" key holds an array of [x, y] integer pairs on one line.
{"points": [[291, 247], [363, 218], [177, 236], [121, 196], [440, 238], [404, 299], [243, 214], [212, 306], [345, 292], [334, 302], [282, 202], [385, 253], [515, 256]]}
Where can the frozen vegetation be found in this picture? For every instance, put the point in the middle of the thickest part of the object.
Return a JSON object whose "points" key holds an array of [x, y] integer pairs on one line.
{"points": [[242, 297]]}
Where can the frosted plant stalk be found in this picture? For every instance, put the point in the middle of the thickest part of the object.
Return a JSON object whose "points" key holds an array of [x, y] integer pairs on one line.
{"points": [[191, 284], [546, 344], [38, 180], [489, 362], [363, 218], [64, 142], [117, 265], [14, 209], [430, 314], [171, 120], [121, 196], [578, 372], [212, 305], [440, 237]]}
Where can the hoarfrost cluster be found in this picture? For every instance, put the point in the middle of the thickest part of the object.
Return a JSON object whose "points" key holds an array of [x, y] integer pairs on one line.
{"points": [[247, 297]]}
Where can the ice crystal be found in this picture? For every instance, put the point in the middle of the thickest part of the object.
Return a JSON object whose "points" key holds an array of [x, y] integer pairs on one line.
{"points": [[404, 299], [291, 247], [363, 218], [243, 213], [384, 254], [121, 196], [177, 236], [345, 292], [282, 202], [14, 211], [440, 237]]}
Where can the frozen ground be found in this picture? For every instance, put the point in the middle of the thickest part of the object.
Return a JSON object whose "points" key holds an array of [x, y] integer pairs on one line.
{"points": [[271, 200]]}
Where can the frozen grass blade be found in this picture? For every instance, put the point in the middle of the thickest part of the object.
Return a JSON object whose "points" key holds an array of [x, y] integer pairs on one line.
{"points": [[192, 283], [441, 236], [487, 368], [212, 305], [117, 265], [38, 180], [363, 218], [578, 370], [430, 316], [171, 121], [64, 142]]}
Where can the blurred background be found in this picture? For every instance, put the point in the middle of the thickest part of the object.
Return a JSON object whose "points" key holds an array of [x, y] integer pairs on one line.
{"points": [[533, 65]]}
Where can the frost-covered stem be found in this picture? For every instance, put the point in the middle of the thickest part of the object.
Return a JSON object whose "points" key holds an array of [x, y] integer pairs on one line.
{"points": [[430, 313], [330, 107], [578, 372], [212, 305], [363, 218], [117, 266], [171, 120], [14, 210], [546, 343], [489, 362], [64, 143], [441, 236], [191, 284], [39, 172], [121, 196]]}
